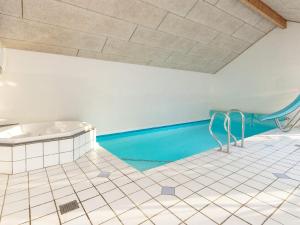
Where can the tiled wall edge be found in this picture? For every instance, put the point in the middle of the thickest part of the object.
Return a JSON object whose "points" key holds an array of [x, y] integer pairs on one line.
{"points": [[16, 164]]}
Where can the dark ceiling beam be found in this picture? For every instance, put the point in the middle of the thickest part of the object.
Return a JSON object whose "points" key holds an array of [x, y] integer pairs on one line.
{"points": [[267, 12]]}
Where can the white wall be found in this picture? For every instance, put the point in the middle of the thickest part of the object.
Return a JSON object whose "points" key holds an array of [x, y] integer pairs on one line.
{"points": [[112, 96], [264, 78], [118, 97]]}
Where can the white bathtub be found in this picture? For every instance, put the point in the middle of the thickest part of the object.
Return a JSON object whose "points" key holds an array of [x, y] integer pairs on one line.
{"points": [[39, 131], [26, 147]]}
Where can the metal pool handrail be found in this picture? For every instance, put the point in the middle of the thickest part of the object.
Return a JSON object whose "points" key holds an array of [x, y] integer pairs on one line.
{"points": [[242, 124], [226, 123], [290, 125]]}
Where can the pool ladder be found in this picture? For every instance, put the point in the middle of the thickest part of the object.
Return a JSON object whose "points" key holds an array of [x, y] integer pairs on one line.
{"points": [[227, 127]]}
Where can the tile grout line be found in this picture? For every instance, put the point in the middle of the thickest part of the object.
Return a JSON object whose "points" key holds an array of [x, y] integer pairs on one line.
{"points": [[137, 206], [28, 190], [167, 208], [285, 200], [278, 207], [118, 187], [228, 175], [99, 194], [260, 191], [54, 200], [213, 202], [131, 181], [76, 196], [277, 150], [252, 163], [4, 196], [243, 183]]}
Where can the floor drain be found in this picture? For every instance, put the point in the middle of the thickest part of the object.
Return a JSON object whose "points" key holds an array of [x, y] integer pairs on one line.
{"points": [[167, 190], [281, 175], [68, 207]]}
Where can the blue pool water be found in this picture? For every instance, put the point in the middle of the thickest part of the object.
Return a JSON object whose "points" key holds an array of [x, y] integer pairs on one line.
{"points": [[146, 149]]}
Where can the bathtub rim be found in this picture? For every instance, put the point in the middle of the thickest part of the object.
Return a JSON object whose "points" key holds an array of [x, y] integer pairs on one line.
{"points": [[47, 138]]}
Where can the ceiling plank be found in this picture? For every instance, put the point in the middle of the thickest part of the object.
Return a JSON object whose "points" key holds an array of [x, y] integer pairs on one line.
{"points": [[267, 12]]}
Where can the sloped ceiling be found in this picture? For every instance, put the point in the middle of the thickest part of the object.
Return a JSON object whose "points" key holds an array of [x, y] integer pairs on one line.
{"points": [[289, 9], [192, 35]]}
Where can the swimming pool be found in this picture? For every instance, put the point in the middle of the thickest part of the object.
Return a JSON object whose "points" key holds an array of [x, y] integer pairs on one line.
{"points": [[149, 148]]}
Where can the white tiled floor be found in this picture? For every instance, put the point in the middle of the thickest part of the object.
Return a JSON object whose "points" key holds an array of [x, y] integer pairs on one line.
{"points": [[210, 188]]}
